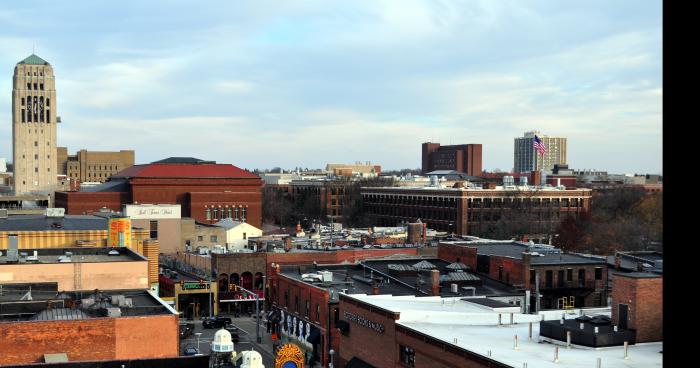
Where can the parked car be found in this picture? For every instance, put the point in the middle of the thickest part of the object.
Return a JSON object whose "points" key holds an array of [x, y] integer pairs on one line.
{"points": [[235, 333], [190, 350], [216, 322]]}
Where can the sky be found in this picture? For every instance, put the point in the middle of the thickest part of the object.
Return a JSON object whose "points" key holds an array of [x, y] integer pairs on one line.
{"points": [[263, 84]]}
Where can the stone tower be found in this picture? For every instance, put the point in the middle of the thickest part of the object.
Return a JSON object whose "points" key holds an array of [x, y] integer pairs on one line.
{"points": [[34, 127]]}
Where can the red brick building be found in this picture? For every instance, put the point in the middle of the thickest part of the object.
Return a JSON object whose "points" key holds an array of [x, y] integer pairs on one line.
{"points": [[142, 328], [207, 192], [637, 304], [464, 158], [473, 211], [574, 277]]}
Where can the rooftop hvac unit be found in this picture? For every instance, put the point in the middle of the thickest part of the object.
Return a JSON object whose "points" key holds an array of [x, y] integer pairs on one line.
{"points": [[114, 312], [33, 258], [326, 276]]}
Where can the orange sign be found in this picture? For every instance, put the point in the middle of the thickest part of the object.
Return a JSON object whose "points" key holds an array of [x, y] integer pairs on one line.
{"points": [[119, 232]]}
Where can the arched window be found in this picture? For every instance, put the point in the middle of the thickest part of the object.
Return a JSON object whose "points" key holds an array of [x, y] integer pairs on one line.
{"points": [[216, 213], [230, 212], [244, 214], [207, 212], [236, 212]]}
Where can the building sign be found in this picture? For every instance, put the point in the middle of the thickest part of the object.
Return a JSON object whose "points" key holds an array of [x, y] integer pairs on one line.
{"points": [[289, 356], [119, 232], [194, 286], [362, 321], [151, 211]]}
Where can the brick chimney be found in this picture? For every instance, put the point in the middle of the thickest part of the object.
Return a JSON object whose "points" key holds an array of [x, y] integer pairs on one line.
{"points": [[375, 289], [434, 282]]}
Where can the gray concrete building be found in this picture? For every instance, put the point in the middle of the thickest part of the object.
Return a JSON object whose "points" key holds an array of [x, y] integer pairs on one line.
{"points": [[34, 126]]}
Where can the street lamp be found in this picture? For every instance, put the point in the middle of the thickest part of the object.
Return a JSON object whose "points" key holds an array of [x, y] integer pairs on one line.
{"points": [[330, 361]]}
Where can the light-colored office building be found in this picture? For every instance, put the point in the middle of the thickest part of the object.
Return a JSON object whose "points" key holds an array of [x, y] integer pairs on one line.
{"points": [[34, 126], [527, 158]]}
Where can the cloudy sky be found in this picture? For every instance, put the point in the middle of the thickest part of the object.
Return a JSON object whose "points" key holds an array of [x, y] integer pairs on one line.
{"points": [[261, 84]]}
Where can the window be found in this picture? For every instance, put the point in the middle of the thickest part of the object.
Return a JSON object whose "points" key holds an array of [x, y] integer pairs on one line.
{"points": [[598, 273], [154, 229], [41, 86], [532, 276], [243, 214], [213, 238], [36, 144], [236, 212], [569, 274], [36, 157], [307, 308], [29, 86], [36, 169], [207, 213], [230, 212], [216, 213], [407, 356], [200, 238], [244, 236], [548, 278]]}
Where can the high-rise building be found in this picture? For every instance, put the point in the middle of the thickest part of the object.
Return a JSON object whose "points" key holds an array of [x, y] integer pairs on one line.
{"points": [[34, 126], [527, 158], [464, 158]]}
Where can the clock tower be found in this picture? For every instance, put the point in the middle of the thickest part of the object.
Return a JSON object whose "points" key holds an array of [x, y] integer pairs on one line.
{"points": [[34, 127]]}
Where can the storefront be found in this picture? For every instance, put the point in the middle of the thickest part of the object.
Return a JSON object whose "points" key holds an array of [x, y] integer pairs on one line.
{"points": [[293, 329]]}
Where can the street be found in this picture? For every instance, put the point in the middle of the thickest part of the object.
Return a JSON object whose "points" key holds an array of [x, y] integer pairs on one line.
{"points": [[246, 326]]}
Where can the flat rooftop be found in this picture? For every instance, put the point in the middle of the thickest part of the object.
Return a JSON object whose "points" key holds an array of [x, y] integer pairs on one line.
{"points": [[455, 322], [487, 287], [31, 302], [541, 254], [44, 223], [346, 278], [77, 255]]}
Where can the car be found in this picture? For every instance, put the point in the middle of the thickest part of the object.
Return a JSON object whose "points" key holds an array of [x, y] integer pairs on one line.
{"points": [[216, 322], [190, 350], [235, 333]]}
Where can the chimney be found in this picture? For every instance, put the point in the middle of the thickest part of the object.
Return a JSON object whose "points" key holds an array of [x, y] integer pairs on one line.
{"points": [[434, 282], [375, 289]]}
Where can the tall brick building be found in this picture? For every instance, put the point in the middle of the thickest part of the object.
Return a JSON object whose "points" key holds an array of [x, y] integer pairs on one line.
{"points": [[464, 158], [92, 166], [206, 191]]}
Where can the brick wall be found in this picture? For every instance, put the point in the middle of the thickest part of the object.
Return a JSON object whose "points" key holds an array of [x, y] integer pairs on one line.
{"points": [[454, 253], [512, 273], [644, 296], [375, 348], [91, 339]]}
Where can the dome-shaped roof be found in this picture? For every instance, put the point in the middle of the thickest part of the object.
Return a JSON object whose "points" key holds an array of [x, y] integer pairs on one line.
{"points": [[251, 359], [222, 342]]}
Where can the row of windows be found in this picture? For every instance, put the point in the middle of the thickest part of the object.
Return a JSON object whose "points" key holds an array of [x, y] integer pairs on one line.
{"points": [[41, 73], [549, 274], [220, 213], [307, 306], [40, 86]]}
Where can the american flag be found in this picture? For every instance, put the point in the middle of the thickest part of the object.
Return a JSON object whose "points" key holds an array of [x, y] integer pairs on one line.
{"points": [[540, 146]]}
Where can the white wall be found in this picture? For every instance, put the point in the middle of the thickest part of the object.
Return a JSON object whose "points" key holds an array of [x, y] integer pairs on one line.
{"points": [[234, 236]]}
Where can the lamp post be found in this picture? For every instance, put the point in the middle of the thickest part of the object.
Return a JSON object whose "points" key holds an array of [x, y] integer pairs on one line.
{"points": [[198, 334], [330, 360]]}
